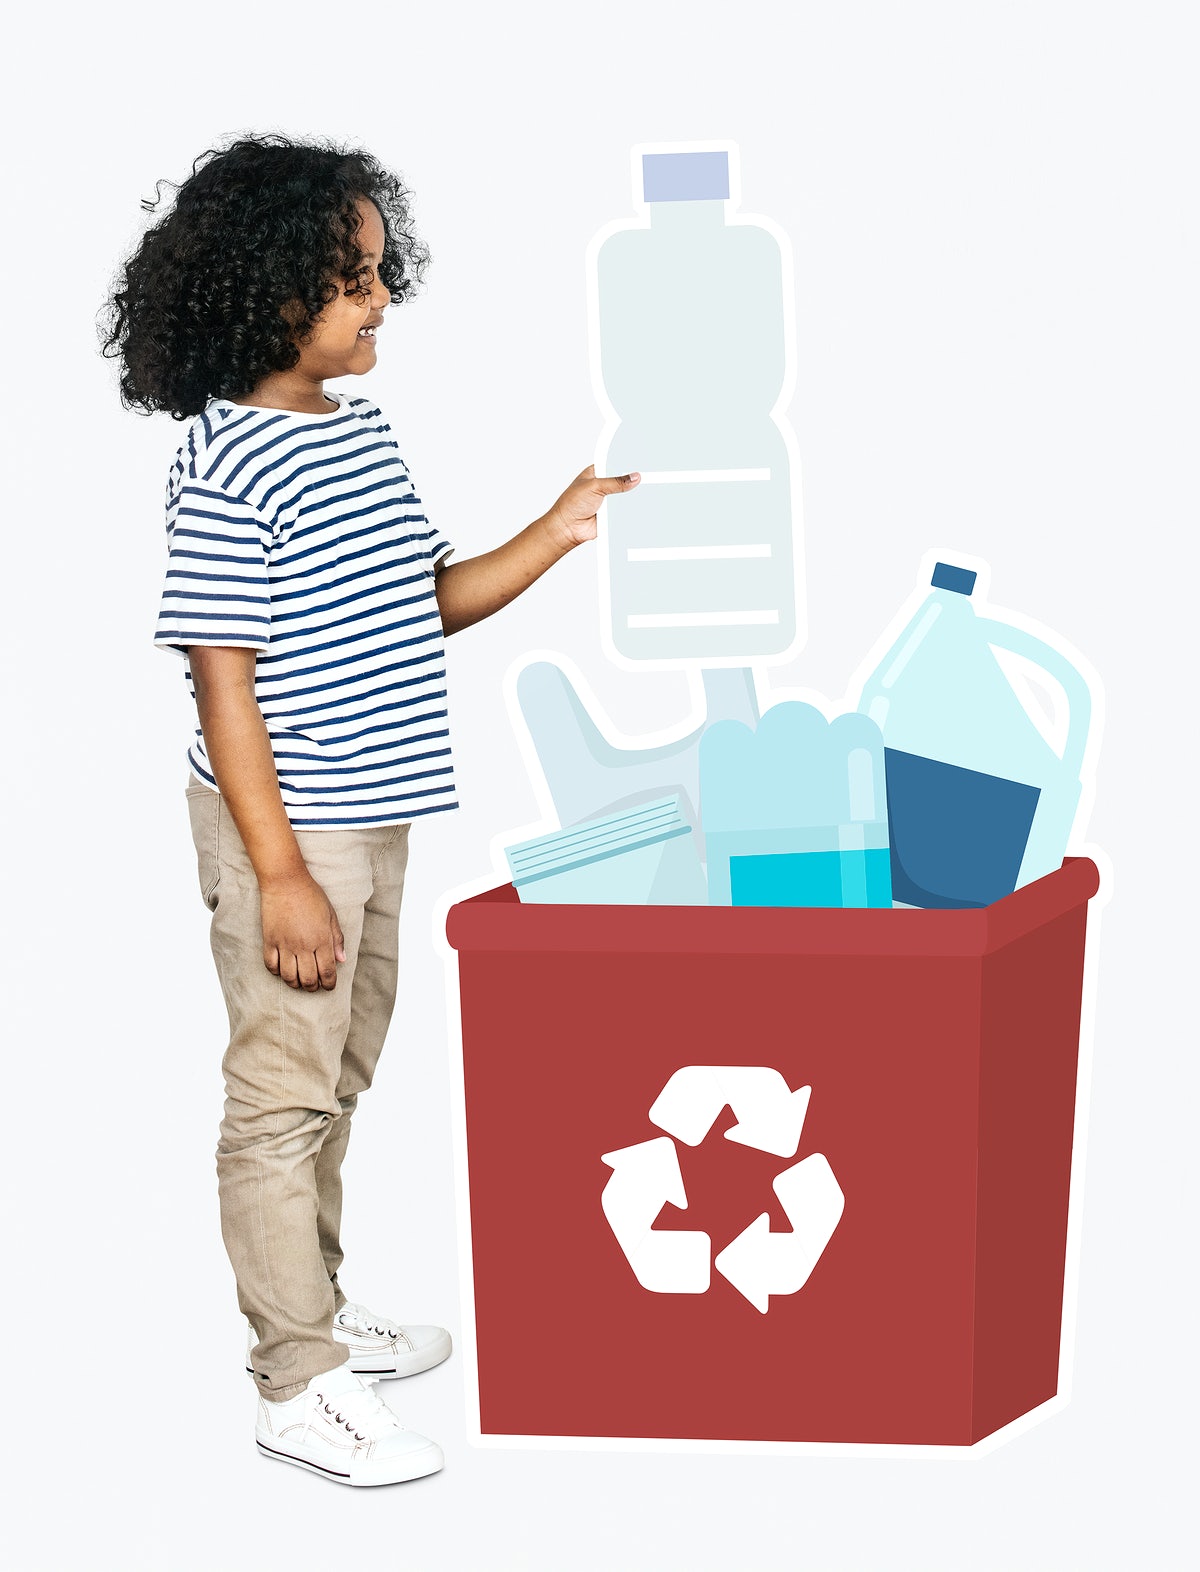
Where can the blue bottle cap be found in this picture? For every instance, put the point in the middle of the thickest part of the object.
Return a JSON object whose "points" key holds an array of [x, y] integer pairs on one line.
{"points": [[947, 576], [685, 177]]}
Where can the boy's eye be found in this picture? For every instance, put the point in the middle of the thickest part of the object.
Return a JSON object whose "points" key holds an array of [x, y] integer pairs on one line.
{"points": [[360, 281]]}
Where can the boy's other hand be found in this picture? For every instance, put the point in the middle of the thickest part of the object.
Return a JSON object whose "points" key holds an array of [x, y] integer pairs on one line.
{"points": [[302, 938], [574, 514]]}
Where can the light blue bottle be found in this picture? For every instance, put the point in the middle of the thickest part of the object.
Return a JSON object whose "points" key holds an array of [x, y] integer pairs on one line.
{"points": [[794, 813], [979, 803], [691, 336]]}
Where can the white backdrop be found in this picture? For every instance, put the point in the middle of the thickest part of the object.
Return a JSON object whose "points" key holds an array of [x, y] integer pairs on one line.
{"points": [[993, 214]]}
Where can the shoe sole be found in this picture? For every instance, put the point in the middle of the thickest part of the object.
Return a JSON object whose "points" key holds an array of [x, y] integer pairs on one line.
{"points": [[429, 1460], [420, 1359]]}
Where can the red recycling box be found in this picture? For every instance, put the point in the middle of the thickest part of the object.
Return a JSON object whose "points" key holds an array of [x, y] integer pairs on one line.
{"points": [[894, 1276]]}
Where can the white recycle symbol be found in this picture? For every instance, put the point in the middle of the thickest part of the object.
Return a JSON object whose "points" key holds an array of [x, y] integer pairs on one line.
{"points": [[758, 1263]]}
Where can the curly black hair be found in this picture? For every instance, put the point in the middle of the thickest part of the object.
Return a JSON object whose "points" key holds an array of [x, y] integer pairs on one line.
{"points": [[198, 311]]}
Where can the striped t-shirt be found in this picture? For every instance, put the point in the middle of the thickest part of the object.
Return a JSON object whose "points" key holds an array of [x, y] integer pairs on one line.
{"points": [[302, 537]]}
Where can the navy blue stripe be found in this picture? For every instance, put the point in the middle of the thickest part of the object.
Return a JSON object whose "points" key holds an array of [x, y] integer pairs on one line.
{"points": [[180, 639], [350, 448], [232, 475], [338, 738], [222, 557], [348, 578], [187, 511], [371, 634], [210, 578], [336, 431], [266, 697], [283, 717], [335, 766], [378, 818], [374, 652], [210, 536], [223, 616], [366, 802], [382, 542], [225, 596], [309, 485], [332, 526], [226, 436], [333, 462]]}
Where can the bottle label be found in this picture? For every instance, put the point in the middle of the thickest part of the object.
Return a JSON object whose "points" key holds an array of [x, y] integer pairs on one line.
{"points": [[957, 836]]}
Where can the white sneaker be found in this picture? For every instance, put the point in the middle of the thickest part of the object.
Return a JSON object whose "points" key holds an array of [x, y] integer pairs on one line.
{"points": [[381, 1347], [337, 1427]]}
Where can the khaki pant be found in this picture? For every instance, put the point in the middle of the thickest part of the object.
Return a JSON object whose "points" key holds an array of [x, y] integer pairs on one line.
{"points": [[295, 1065]]}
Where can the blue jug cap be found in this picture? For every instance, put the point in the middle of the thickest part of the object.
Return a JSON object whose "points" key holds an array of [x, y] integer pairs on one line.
{"points": [[947, 576], [685, 177]]}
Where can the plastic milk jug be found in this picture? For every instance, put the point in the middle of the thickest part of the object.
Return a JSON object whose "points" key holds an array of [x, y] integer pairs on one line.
{"points": [[690, 327], [979, 802]]}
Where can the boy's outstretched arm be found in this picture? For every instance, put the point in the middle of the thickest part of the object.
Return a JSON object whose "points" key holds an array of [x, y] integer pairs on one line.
{"points": [[302, 938], [469, 591]]}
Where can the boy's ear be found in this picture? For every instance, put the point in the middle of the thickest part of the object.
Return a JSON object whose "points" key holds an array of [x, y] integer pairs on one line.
{"points": [[296, 317]]}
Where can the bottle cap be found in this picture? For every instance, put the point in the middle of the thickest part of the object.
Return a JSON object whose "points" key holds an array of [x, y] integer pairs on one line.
{"points": [[947, 576], [685, 177]]}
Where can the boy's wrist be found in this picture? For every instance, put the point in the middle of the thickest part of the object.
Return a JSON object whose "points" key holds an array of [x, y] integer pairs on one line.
{"points": [[278, 878], [557, 532]]}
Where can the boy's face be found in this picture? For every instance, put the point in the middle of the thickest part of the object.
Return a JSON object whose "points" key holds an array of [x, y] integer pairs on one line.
{"points": [[343, 340]]}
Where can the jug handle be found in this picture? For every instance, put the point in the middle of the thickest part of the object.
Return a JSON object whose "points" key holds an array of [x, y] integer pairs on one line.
{"points": [[1079, 696]]}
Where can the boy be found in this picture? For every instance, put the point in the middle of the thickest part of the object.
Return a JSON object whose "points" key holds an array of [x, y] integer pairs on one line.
{"points": [[310, 597]]}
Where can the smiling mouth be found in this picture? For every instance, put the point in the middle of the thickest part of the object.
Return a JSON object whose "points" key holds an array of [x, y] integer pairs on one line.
{"points": [[367, 333]]}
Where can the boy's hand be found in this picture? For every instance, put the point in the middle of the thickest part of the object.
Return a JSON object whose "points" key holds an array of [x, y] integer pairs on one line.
{"points": [[469, 591], [302, 938], [573, 516]]}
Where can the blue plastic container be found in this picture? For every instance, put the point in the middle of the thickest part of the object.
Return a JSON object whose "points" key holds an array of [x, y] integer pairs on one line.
{"points": [[979, 803], [794, 813]]}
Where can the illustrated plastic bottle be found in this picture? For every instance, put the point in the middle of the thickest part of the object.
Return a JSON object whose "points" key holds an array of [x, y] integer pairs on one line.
{"points": [[794, 811], [691, 326], [979, 803]]}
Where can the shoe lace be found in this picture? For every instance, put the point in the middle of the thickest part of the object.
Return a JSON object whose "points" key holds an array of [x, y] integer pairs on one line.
{"points": [[362, 1413], [367, 1323]]}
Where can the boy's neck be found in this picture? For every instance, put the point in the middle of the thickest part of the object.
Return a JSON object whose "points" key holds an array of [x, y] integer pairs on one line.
{"points": [[284, 390]]}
